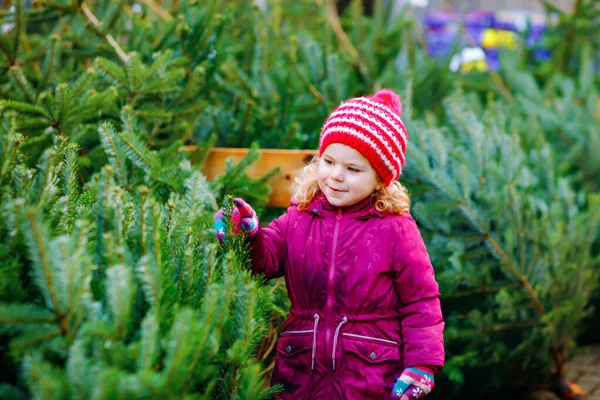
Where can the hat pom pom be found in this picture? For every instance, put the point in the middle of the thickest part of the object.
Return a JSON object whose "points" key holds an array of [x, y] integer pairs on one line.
{"points": [[390, 99]]}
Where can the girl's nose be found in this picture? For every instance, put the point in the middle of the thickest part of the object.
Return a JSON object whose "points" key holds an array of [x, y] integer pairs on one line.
{"points": [[337, 173]]}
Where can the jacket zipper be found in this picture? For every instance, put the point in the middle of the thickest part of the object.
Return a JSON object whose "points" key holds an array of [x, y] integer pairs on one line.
{"points": [[330, 283]]}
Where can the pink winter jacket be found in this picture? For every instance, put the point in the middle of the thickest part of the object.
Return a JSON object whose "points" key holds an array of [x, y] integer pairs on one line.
{"points": [[364, 300]]}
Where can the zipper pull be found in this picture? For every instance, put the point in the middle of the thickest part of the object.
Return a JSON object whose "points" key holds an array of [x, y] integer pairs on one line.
{"points": [[339, 216]]}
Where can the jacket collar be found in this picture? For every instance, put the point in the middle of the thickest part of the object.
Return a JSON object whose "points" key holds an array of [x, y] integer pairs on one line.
{"points": [[363, 208]]}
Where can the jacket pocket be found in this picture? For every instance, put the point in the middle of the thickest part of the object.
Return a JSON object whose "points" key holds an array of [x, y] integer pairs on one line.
{"points": [[369, 366], [293, 364]]}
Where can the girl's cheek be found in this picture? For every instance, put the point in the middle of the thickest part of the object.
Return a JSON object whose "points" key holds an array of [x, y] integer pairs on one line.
{"points": [[323, 171]]}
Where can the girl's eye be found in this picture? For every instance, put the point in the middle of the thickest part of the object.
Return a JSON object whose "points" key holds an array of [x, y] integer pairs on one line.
{"points": [[352, 169], [329, 162]]}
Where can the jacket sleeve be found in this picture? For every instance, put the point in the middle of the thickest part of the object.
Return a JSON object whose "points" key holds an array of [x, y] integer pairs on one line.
{"points": [[268, 250], [419, 299]]}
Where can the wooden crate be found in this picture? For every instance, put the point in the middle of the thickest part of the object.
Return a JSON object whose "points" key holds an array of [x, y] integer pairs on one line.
{"points": [[290, 163]]}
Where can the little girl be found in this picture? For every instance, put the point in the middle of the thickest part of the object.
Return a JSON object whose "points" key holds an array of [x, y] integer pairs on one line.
{"points": [[365, 319]]}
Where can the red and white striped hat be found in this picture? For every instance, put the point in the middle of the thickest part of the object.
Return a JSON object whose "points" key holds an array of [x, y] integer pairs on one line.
{"points": [[371, 126]]}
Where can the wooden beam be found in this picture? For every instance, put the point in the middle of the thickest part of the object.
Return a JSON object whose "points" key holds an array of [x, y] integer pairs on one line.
{"points": [[290, 163]]}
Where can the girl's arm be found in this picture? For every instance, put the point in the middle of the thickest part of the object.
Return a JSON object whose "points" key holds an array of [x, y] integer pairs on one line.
{"points": [[267, 245], [419, 304], [268, 250]]}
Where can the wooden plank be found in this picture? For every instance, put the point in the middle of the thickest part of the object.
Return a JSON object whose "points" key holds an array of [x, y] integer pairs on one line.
{"points": [[290, 163]]}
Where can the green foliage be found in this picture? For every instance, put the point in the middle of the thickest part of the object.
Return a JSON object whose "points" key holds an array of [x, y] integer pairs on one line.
{"points": [[511, 238], [132, 297], [565, 112], [575, 33], [235, 180]]}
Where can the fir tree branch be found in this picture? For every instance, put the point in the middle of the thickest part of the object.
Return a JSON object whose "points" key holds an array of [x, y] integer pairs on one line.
{"points": [[513, 270], [92, 18], [495, 329], [570, 38], [107, 137], [320, 99], [24, 314], [131, 67], [519, 219], [468, 277], [199, 154], [242, 132], [37, 339], [183, 319], [128, 120], [502, 86], [154, 114], [24, 108], [77, 314], [171, 205], [158, 10], [69, 179], [35, 125], [23, 83], [157, 64], [48, 103], [150, 277], [60, 99], [507, 262], [149, 346], [289, 134], [156, 233], [18, 26], [43, 178], [83, 82], [215, 21], [482, 290], [9, 147], [189, 258], [10, 392], [165, 84], [40, 249], [59, 7], [50, 63], [96, 331], [334, 20], [292, 62], [136, 153], [190, 110], [232, 390], [142, 225], [7, 53], [77, 371], [119, 292], [113, 71], [473, 216], [249, 308], [192, 366], [44, 380]]}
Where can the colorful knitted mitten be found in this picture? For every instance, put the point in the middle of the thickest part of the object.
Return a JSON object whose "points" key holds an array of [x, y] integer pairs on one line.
{"points": [[413, 383], [243, 218]]}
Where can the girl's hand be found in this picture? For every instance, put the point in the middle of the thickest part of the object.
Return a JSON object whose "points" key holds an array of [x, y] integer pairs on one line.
{"points": [[243, 218], [413, 383]]}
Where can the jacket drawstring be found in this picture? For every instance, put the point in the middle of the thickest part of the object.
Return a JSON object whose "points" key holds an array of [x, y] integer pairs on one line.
{"points": [[335, 338], [314, 346]]}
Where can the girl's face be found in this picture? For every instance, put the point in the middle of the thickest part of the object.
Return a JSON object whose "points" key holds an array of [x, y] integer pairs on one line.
{"points": [[345, 176]]}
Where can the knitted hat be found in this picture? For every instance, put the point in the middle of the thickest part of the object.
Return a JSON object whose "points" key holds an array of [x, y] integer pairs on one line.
{"points": [[371, 126]]}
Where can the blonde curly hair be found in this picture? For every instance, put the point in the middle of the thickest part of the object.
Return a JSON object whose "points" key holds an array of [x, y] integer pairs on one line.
{"points": [[393, 199]]}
